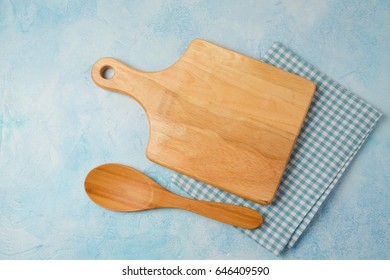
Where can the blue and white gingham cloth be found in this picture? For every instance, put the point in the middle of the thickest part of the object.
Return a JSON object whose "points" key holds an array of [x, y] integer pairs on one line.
{"points": [[337, 124]]}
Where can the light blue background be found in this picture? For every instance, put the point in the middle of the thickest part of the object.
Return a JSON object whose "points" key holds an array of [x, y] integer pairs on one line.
{"points": [[56, 124]]}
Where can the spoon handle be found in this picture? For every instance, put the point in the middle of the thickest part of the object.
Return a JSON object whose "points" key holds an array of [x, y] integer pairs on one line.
{"points": [[235, 215]]}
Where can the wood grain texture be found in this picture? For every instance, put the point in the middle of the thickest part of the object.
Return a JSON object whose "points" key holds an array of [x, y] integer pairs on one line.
{"points": [[218, 116], [121, 188]]}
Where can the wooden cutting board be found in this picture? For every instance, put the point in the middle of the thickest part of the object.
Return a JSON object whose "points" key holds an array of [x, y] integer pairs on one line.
{"points": [[218, 116]]}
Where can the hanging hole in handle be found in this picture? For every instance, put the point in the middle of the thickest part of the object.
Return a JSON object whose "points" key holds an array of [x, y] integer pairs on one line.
{"points": [[107, 72]]}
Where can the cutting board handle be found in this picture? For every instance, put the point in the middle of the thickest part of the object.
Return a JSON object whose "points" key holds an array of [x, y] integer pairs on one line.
{"points": [[125, 79]]}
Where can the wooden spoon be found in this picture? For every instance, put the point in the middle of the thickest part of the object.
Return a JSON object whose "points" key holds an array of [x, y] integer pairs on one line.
{"points": [[121, 188]]}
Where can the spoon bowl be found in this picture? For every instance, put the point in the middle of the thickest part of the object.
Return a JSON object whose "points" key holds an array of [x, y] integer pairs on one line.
{"points": [[119, 188]]}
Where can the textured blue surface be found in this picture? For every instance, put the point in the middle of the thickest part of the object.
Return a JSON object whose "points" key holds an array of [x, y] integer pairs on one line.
{"points": [[56, 125]]}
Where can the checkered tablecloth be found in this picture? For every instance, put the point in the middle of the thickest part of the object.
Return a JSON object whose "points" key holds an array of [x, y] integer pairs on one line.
{"points": [[337, 124]]}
